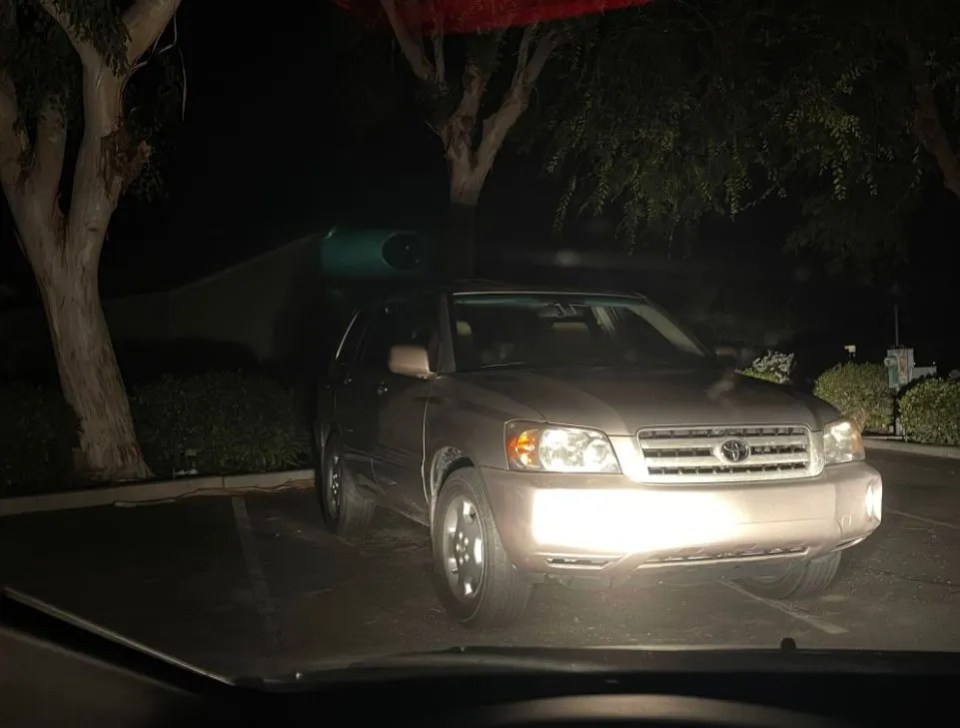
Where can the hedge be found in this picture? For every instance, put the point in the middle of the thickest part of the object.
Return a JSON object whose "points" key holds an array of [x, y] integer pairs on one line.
{"points": [[765, 376], [930, 412], [38, 432], [861, 392], [774, 366], [216, 423]]}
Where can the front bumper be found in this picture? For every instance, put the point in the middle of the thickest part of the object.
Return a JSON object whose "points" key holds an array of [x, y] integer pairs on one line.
{"points": [[611, 526]]}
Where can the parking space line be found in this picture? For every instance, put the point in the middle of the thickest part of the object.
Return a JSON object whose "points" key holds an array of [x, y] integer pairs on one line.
{"points": [[258, 580], [922, 519], [790, 611]]}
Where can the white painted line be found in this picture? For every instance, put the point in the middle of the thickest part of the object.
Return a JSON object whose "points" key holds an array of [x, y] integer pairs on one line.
{"points": [[923, 519], [790, 611], [258, 580]]}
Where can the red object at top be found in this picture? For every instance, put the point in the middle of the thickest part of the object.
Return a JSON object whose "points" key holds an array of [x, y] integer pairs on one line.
{"points": [[471, 16]]}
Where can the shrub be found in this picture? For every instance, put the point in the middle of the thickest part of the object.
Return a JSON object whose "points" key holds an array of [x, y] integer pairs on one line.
{"points": [[930, 412], [218, 422], [38, 432], [774, 366], [145, 361], [860, 392]]}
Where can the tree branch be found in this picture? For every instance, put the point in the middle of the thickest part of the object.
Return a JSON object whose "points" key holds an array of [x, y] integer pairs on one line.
{"points": [[439, 64], [14, 143], [532, 68], [456, 132], [528, 70], [475, 81], [927, 123], [411, 48], [48, 152], [89, 55], [96, 181], [145, 20], [436, 38], [523, 52]]}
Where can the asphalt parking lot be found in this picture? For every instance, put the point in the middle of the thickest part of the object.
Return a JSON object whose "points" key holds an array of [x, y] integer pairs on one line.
{"points": [[253, 584]]}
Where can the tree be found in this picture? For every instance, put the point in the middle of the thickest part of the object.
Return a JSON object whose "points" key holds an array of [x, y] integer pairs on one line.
{"points": [[682, 110], [454, 110], [64, 64]]}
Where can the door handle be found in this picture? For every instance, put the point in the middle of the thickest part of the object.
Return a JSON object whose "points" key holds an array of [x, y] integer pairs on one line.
{"points": [[381, 389]]}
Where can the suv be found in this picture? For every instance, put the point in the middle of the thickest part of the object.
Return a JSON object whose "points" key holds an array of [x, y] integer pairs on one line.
{"points": [[583, 436]]}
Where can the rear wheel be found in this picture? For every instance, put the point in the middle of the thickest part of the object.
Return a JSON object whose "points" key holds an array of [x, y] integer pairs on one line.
{"points": [[812, 578], [345, 511], [475, 579]]}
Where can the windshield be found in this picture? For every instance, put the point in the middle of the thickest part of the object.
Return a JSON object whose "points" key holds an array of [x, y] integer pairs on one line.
{"points": [[654, 333], [559, 330]]}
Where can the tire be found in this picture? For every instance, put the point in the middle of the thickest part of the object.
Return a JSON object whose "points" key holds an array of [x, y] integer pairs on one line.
{"points": [[812, 578], [497, 593], [345, 511]]}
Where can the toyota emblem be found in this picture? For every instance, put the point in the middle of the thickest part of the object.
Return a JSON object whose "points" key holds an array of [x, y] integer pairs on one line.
{"points": [[735, 451]]}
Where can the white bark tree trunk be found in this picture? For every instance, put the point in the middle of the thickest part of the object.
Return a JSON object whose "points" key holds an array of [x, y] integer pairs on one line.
{"points": [[89, 375], [64, 250], [466, 183]]}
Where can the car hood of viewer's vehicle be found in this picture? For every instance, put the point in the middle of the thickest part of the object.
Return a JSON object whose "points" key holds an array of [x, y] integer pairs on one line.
{"points": [[620, 401]]}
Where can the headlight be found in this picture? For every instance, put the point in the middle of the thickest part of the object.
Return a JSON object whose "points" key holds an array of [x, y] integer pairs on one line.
{"points": [[559, 449], [842, 442]]}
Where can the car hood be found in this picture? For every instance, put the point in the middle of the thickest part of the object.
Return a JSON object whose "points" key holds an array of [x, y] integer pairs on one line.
{"points": [[621, 401]]}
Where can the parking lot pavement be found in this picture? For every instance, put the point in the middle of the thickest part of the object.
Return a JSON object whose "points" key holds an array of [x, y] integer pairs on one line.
{"points": [[254, 584]]}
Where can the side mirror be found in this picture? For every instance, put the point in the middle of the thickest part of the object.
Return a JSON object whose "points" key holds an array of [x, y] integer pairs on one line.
{"points": [[733, 357], [409, 361]]}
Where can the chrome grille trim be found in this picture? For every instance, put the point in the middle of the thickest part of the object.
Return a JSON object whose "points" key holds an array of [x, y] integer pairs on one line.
{"points": [[693, 454]]}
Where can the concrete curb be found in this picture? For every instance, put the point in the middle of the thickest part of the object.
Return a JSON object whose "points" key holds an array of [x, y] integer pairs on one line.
{"points": [[912, 448], [145, 492]]}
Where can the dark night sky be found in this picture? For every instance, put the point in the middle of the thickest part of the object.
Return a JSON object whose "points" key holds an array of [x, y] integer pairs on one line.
{"points": [[272, 147]]}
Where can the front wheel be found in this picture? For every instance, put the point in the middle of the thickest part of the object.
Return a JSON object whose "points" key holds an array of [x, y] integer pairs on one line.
{"points": [[345, 511], [812, 578], [475, 579]]}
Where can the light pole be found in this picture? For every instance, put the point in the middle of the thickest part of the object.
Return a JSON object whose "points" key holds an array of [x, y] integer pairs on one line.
{"points": [[896, 315]]}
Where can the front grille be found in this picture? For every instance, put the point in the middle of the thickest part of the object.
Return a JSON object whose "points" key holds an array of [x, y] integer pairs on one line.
{"points": [[583, 562], [696, 454], [734, 555]]}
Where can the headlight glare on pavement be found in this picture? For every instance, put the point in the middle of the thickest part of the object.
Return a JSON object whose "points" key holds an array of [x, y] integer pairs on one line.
{"points": [[618, 521]]}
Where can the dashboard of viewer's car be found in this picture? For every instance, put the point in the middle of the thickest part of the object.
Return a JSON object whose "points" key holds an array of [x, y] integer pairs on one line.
{"points": [[53, 672]]}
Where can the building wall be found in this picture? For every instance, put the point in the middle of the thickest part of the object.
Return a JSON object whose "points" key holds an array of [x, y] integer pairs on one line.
{"points": [[275, 306]]}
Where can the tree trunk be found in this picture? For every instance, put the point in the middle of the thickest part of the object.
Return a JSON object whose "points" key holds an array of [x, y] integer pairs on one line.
{"points": [[927, 122], [466, 183], [64, 251], [87, 365], [462, 229]]}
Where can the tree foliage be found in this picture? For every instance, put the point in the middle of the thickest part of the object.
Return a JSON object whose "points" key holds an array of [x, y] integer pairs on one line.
{"points": [[44, 69], [690, 108]]}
